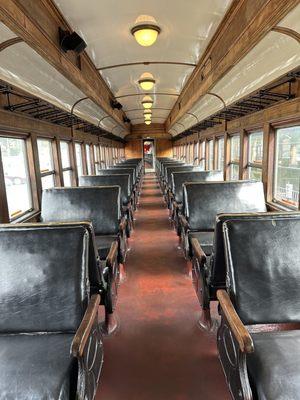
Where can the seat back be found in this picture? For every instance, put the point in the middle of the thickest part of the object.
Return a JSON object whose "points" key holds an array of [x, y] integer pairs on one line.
{"points": [[126, 169], [178, 178], [118, 171], [263, 262], [204, 200], [170, 170], [43, 277], [122, 180], [99, 204]]}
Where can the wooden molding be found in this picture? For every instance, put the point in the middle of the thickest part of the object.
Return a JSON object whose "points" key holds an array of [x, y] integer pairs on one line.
{"points": [[244, 25], [37, 23], [286, 31]]}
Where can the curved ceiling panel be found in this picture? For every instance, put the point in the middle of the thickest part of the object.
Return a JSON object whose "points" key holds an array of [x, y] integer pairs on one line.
{"points": [[292, 20], [35, 76], [205, 107], [5, 33], [109, 41], [274, 56]]}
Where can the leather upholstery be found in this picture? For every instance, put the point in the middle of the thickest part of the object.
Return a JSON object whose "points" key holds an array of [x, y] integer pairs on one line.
{"points": [[205, 239], [126, 170], [35, 367], [170, 170], [217, 268], [122, 180], [204, 200], [273, 368], [178, 178], [119, 171], [263, 262], [43, 278], [100, 205]]}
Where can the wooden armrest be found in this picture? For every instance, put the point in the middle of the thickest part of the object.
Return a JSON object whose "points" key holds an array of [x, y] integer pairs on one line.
{"points": [[113, 252], [83, 332], [239, 330], [198, 252], [183, 222]]}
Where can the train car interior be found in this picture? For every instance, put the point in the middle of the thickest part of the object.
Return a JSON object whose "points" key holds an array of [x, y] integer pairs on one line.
{"points": [[149, 200]]}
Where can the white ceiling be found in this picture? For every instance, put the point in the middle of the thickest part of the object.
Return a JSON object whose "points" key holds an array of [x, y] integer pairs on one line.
{"points": [[274, 56], [187, 28], [22, 67]]}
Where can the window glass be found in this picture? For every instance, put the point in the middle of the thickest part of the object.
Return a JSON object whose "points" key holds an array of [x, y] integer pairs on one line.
{"points": [[97, 159], [88, 159], [202, 155], [255, 147], [66, 163], [46, 163], [78, 152], [255, 174], [234, 172], [221, 154], [287, 166], [65, 154], [17, 180], [235, 148]]}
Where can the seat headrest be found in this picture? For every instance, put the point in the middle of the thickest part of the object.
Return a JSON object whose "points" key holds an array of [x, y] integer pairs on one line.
{"points": [[204, 200], [122, 180], [99, 205], [263, 262], [43, 277], [180, 177]]}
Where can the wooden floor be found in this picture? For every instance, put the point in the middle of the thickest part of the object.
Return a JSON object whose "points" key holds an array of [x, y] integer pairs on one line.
{"points": [[158, 352]]}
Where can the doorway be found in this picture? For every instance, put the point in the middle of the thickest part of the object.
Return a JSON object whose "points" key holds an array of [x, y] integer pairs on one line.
{"points": [[148, 154]]}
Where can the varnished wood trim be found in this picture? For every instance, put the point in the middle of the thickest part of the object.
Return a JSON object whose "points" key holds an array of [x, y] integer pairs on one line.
{"points": [[287, 31], [81, 337], [146, 63], [4, 214], [239, 330], [10, 42]]}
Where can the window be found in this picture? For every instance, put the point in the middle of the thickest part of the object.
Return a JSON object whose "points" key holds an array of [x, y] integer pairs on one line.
{"points": [[16, 175], [97, 159], [220, 148], [210, 163], [66, 163], [78, 152], [234, 164], [255, 155], [88, 159], [202, 155], [46, 163], [102, 157], [287, 166]]}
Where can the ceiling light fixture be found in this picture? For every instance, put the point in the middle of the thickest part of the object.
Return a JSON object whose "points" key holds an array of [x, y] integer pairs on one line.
{"points": [[145, 30], [148, 117], [148, 112], [147, 102], [147, 81], [147, 122]]}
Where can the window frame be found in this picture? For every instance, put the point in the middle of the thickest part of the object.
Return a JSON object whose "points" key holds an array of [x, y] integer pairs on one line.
{"points": [[230, 161], [70, 168], [218, 140], [250, 164], [53, 172]]}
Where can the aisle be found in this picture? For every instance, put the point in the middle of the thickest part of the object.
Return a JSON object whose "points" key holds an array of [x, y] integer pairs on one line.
{"points": [[158, 353]]}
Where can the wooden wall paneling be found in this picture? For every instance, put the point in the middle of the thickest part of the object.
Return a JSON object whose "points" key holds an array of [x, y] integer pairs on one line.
{"points": [[226, 156], [215, 153], [36, 168], [84, 159], [92, 156], [4, 213], [73, 163], [268, 160]]}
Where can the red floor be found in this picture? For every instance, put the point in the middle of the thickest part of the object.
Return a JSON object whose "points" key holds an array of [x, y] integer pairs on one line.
{"points": [[158, 352]]}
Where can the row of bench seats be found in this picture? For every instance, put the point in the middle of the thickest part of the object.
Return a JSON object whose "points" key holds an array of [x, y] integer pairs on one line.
{"points": [[247, 259], [54, 275]]}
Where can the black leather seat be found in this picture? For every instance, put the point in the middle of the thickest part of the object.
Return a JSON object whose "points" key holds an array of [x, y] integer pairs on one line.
{"points": [[122, 180], [44, 298], [178, 178], [263, 272], [202, 201], [100, 205]]}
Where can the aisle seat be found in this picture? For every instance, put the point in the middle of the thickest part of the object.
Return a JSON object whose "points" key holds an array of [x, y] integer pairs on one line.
{"points": [[259, 336], [45, 308]]}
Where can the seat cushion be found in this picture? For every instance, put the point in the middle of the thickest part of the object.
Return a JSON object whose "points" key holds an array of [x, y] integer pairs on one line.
{"points": [[205, 239], [36, 367], [274, 367], [103, 244]]}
